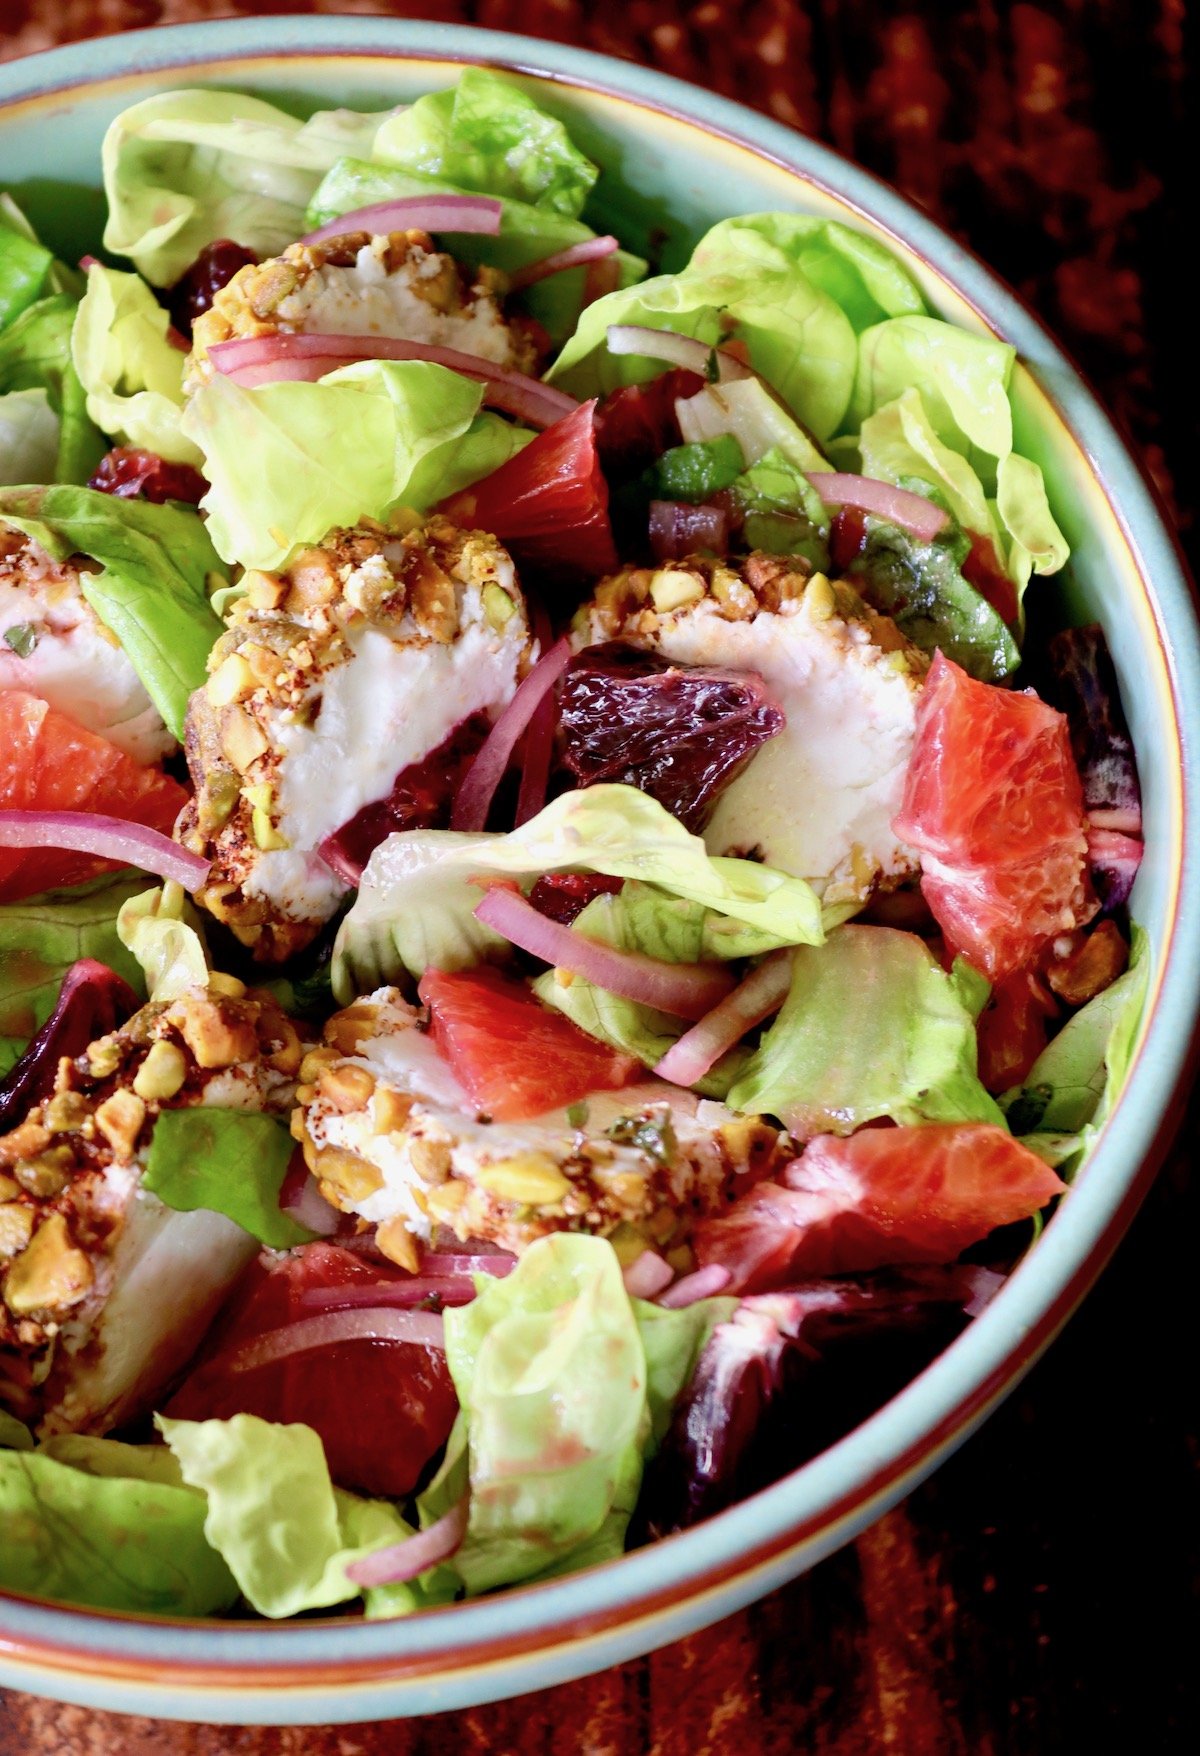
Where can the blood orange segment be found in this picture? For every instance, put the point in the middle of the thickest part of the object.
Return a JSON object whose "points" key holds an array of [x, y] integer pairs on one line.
{"points": [[48, 763], [514, 1057], [382, 1409], [880, 1198], [993, 803]]}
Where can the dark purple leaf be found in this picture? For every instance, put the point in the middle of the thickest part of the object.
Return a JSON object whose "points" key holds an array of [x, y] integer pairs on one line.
{"points": [[92, 1001], [213, 269], [1083, 685], [680, 733]]}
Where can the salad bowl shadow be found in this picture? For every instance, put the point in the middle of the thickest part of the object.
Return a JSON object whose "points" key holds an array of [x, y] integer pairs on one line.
{"points": [[676, 160]]}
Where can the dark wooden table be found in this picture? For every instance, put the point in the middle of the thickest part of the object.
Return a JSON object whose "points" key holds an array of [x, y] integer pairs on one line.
{"points": [[1039, 1594]]}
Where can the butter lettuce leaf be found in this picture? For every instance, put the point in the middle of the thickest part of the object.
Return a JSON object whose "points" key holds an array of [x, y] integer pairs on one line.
{"points": [[29, 434], [161, 931], [42, 936], [746, 410], [565, 1386], [415, 905], [270, 1510], [105, 1525], [527, 234], [358, 443], [231, 1162], [486, 134], [25, 264], [157, 566], [184, 168], [131, 374], [1073, 1085], [861, 276], [963, 379], [872, 1026], [35, 355]]}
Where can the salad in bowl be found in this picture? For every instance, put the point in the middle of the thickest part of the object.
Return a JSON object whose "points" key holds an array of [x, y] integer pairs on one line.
{"points": [[557, 888]]}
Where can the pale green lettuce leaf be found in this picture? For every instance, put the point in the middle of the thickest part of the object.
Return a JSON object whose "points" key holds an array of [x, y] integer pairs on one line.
{"points": [[897, 441], [1035, 544], [35, 354], [745, 409], [25, 265], [651, 919], [14, 1434], [225, 1161], [29, 436], [42, 936], [185, 168], [286, 1533], [486, 134], [783, 513], [130, 372], [329, 453], [527, 234], [111, 1535], [1070, 1090], [161, 930], [551, 1379], [798, 338], [872, 1026], [861, 276], [963, 379], [415, 905], [157, 567]]}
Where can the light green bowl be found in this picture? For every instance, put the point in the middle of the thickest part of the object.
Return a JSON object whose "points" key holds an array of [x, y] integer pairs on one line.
{"points": [[675, 159]]}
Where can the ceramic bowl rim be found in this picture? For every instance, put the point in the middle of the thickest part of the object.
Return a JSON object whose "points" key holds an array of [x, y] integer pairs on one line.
{"points": [[823, 1503]]}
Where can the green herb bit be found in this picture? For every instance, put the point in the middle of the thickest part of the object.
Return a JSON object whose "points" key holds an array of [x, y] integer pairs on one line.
{"points": [[656, 1139], [22, 638]]}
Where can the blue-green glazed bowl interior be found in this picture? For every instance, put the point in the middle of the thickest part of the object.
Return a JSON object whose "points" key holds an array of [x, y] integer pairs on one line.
{"points": [[675, 160]]}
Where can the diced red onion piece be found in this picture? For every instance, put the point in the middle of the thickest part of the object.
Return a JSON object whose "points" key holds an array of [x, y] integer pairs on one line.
{"points": [[985, 1284], [415, 1328], [393, 1294], [455, 1262], [678, 529], [679, 350], [577, 256], [910, 511], [648, 1276], [429, 213], [487, 771], [1125, 821], [401, 1561], [111, 838], [763, 992], [304, 1202], [305, 358], [686, 990], [703, 1284]]}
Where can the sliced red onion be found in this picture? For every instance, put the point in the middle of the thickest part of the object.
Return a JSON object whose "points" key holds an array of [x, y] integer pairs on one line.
{"points": [[685, 990], [680, 350], [678, 529], [393, 1294], [110, 838], [703, 1284], [910, 511], [1125, 820], [602, 277], [487, 771], [984, 1283], [429, 213], [762, 993], [304, 1202], [401, 1561], [305, 358], [577, 256], [455, 1262], [648, 1276], [415, 1328]]}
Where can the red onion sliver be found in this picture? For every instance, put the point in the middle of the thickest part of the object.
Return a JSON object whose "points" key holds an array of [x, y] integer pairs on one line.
{"points": [[577, 256], [535, 766], [305, 1204], [678, 529], [685, 990], [648, 1276], [763, 992], [1109, 845], [487, 771], [680, 350], [401, 1561], [429, 213], [1125, 820], [110, 838], [985, 1284], [910, 511], [392, 1294], [417, 1328], [456, 1262], [305, 358], [703, 1284]]}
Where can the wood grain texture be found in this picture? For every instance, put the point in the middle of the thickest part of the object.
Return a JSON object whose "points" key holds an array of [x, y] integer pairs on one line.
{"points": [[1040, 1593]]}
